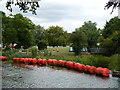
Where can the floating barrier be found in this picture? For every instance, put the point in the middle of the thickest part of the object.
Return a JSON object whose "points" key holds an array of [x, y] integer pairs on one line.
{"points": [[76, 66], [3, 58], [92, 69], [70, 64], [106, 72], [63, 63], [81, 67], [87, 68], [54, 62], [99, 71], [50, 61], [39, 61], [59, 62]]}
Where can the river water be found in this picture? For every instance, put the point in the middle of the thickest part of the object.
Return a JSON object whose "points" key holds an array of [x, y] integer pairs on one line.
{"points": [[33, 76]]}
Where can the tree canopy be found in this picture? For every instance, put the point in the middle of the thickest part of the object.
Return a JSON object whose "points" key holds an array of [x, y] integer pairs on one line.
{"points": [[17, 29], [111, 37], [56, 36]]}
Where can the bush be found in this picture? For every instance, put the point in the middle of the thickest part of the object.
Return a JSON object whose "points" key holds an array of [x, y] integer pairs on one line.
{"points": [[42, 45], [34, 52], [11, 53], [115, 62], [102, 61]]}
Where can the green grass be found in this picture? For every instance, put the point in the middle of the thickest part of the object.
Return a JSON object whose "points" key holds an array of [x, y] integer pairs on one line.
{"points": [[64, 54]]}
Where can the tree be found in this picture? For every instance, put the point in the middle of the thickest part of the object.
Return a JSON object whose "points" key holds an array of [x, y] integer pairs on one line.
{"points": [[56, 36], [78, 40], [91, 32], [39, 33], [40, 38], [24, 5], [18, 29], [111, 37], [111, 26], [114, 3]]}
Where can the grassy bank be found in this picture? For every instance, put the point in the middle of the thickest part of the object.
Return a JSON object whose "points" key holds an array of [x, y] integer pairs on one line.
{"points": [[63, 53]]}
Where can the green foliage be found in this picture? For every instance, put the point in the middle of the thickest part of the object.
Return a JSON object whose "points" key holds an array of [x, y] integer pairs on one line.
{"points": [[78, 40], [56, 36], [34, 52], [42, 45], [111, 26], [39, 33], [91, 32], [11, 54], [115, 62], [17, 29], [25, 6], [111, 37]]}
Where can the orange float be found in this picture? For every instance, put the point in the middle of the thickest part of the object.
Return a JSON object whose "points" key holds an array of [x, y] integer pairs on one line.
{"points": [[92, 69], [3, 58], [50, 61], [81, 67], [99, 71], [63, 63], [59, 62], [70, 64], [54, 62], [34, 61], [76, 66], [105, 72], [39, 61], [21, 60], [86, 69], [44, 61]]}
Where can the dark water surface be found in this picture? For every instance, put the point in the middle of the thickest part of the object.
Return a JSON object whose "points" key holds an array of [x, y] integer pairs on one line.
{"points": [[33, 76]]}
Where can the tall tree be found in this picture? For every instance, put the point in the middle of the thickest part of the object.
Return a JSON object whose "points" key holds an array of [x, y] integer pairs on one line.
{"points": [[78, 40], [56, 36], [111, 37], [91, 32], [114, 3], [18, 29], [24, 5]]}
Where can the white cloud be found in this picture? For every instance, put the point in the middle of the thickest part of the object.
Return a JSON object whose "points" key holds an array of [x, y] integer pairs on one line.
{"points": [[69, 14]]}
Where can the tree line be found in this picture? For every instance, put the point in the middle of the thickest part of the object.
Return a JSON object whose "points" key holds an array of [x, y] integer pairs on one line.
{"points": [[20, 30]]}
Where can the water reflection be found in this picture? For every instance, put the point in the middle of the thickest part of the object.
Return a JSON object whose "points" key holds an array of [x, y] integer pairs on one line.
{"points": [[31, 67]]}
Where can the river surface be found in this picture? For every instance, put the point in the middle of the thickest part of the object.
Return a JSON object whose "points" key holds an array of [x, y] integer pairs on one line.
{"points": [[33, 76]]}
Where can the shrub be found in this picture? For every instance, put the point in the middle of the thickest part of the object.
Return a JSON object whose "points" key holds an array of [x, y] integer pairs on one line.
{"points": [[115, 62], [42, 45], [11, 53], [34, 52]]}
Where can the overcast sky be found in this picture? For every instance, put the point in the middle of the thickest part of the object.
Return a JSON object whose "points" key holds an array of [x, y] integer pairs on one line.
{"points": [[69, 14]]}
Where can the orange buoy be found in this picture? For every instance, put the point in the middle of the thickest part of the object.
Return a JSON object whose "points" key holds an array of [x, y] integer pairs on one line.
{"points": [[99, 71], [105, 72], [92, 69], [24, 60], [17, 60], [76, 66], [50, 61], [63, 63], [59, 62], [29, 60], [44, 61], [3, 58], [14, 59], [70, 64], [87, 67], [21, 59], [54, 62], [39, 61], [81, 67], [34, 61]]}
